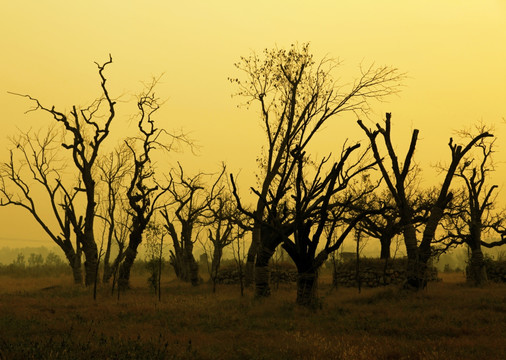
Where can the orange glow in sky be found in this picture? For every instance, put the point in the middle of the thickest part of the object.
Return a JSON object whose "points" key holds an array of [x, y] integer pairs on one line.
{"points": [[454, 53]]}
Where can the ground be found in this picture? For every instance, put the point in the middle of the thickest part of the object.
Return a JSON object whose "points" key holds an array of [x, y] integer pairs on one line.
{"points": [[47, 318]]}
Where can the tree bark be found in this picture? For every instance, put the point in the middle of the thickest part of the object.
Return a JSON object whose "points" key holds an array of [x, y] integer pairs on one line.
{"points": [[385, 241], [125, 267], [413, 269], [130, 255], [307, 289], [262, 272], [74, 259], [75, 264], [477, 268], [249, 272], [215, 264], [90, 264]]}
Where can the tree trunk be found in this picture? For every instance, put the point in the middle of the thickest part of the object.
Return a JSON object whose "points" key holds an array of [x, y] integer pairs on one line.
{"points": [[192, 268], [77, 274], [129, 256], [307, 289], [107, 266], [413, 270], [385, 247], [262, 272], [90, 263], [417, 265], [477, 268], [249, 273], [74, 259], [75, 264], [88, 236], [416, 274], [215, 264], [125, 268]]}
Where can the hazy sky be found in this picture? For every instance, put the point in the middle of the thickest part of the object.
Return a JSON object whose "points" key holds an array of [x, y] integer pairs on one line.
{"points": [[453, 51]]}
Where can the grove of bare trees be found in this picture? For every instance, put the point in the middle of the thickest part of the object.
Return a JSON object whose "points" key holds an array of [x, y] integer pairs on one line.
{"points": [[98, 204]]}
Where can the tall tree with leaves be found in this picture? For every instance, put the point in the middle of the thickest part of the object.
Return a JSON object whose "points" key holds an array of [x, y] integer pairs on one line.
{"points": [[296, 96]]}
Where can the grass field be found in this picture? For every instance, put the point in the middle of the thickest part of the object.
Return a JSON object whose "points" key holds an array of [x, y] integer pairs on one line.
{"points": [[46, 318]]}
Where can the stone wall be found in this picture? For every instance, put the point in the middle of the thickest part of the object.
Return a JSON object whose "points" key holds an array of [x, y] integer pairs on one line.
{"points": [[372, 273], [496, 270], [282, 272]]}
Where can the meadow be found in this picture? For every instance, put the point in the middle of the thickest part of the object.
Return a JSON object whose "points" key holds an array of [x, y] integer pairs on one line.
{"points": [[47, 318]]}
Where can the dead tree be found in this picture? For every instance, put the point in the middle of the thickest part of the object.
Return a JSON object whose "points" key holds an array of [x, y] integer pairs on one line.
{"points": [[386, 224], [296, 97], [472, 214], [87, 128], [190, 200], [144, 192], [113, 170], [34, 162], [418, 253], [222, 219], [319, 204]]}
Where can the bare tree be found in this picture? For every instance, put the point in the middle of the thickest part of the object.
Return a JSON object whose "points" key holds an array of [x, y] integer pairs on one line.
{"points": [[472, 213], [386, 224], [418, 253], [87, 129], [144, 192], [191, 200], [113, 170], [318, 204], [34, 162], [296, 97], [223, 217]]}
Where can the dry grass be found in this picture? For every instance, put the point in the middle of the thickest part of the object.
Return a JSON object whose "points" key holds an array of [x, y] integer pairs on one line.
{"points": [[447, 321]]}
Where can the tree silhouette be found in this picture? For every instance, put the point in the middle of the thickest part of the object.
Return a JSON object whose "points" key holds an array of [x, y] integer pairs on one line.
{"points": [[144, 192], [34, 162], [190, 200], [472, 213], [87, 129], [296, 96], [418, 253]]}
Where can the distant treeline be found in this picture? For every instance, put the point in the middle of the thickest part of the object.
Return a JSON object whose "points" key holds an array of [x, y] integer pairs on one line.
{"points": [[9, 255]]}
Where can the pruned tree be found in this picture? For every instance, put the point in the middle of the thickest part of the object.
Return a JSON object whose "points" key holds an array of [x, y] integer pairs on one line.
{"points": [[296, 96], [418, 253], [34, 163], [86, 128], [386, 224], [472, 212]]}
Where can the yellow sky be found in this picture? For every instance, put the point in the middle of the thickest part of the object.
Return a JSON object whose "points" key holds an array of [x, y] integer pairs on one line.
{"points": [[453, 51]]}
